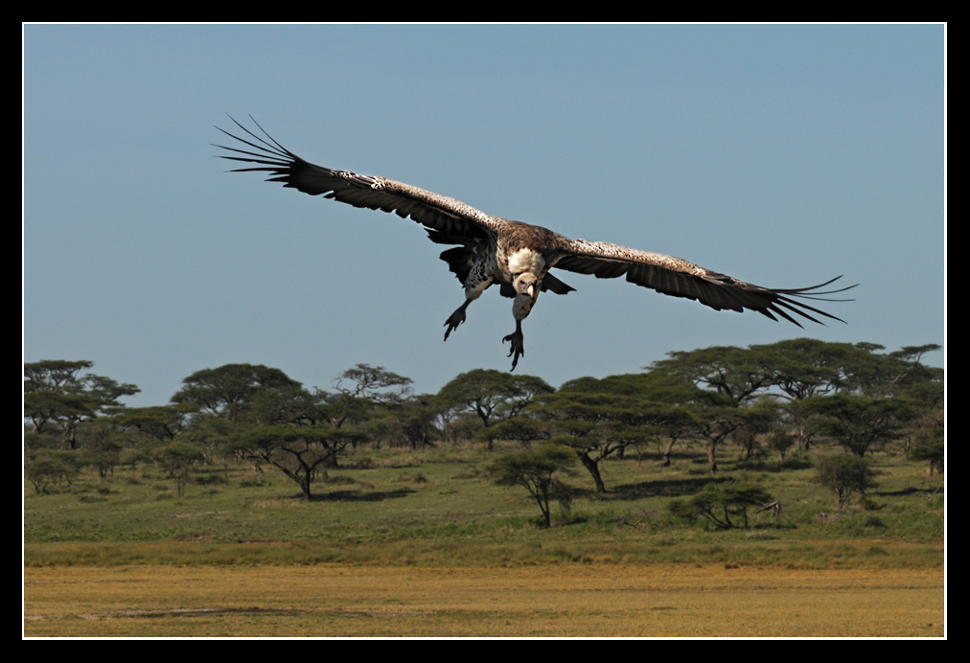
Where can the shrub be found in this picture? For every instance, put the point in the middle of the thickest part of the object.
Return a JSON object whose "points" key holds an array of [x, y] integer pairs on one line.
{"points": [[718, 501], [845, 474]]}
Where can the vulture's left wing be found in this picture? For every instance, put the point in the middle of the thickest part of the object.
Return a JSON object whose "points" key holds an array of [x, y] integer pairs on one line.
{"points": [[679, 278], [436, 212]]}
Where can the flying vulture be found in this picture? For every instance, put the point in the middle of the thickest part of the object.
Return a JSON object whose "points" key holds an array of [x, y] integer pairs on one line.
{"points": [[514, 255]]}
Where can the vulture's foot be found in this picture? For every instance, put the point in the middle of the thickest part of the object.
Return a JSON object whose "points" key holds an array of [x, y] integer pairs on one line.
{"points": [[517, 348], [456, 319]]}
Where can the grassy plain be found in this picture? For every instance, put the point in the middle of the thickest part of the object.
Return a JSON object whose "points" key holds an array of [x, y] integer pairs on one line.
{"points": [[421, 543]]}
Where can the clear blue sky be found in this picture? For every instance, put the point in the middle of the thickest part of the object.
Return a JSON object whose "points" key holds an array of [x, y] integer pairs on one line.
{"points": [[781, 155]]}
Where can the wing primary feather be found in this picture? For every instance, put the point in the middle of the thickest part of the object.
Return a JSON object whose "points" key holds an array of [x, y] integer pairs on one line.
{"points": [[267, 155]]}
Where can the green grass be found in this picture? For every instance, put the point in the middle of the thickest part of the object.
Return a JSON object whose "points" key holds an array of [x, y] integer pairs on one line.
{"points": [[433, 508]]}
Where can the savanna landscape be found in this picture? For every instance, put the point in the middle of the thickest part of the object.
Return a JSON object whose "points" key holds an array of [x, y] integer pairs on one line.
{"points": [[787, 490]]}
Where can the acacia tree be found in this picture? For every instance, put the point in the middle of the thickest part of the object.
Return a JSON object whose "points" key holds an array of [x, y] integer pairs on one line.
{"points": [[58, 397], [713, 425], [102, 443], [158, 435], [267, 417], [492, 395], [416, 418], [381, 402], [728, 370], [537, 470], [51, 466], [143, 431], [858, 422], [523, 429], [718, 501], [781, 441], [933, 453], [302, 453], [802, 370], [710, 418], [177, 458], [730, 407], [225, 391], [663, 402], [161, 422], [290, 428], [598, 425], [373, 383], [911, 374]]}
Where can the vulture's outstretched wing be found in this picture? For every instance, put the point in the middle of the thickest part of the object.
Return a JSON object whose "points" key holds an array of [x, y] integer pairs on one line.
{"points": [[440, 213], [673, 276], [451, 221]]}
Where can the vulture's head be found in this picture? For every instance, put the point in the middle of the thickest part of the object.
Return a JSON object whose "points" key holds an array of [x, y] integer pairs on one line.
{"points": [[526, 284], [526, 291]]}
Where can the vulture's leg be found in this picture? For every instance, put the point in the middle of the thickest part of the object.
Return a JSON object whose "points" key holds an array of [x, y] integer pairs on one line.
{"points": [[521, 308], [517, 348], [474, 287], [456, 318]]}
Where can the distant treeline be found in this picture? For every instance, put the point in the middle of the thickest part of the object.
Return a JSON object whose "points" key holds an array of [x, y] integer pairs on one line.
{"points": [[765, 399]]}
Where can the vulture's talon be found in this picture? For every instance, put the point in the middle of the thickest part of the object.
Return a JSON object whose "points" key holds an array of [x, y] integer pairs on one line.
{"points": [[517, 347], [456, 318], [452, 323]]}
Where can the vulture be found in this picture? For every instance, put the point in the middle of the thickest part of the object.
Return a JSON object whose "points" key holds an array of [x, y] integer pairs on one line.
{"points": [[517, 256]]}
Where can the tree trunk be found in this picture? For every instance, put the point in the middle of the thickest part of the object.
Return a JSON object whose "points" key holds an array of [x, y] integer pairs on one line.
{"points": [[711, 461], [668, 451], [542, 497], [305, 488], [593, 467]]}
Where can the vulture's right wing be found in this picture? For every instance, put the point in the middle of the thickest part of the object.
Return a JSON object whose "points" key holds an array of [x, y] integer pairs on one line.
{"points": [[436, 212]]}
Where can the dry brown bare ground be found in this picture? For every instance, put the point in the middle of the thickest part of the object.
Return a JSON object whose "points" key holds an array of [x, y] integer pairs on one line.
{"points": [[593, 600]]}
